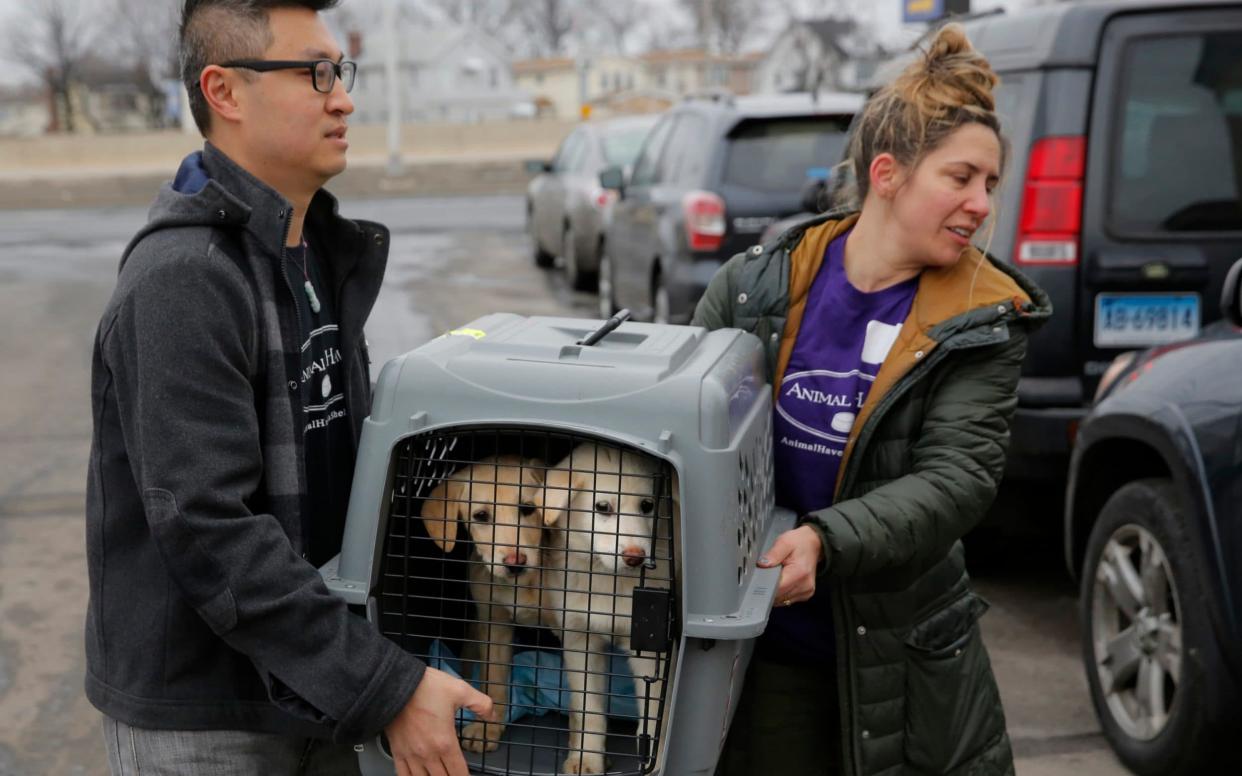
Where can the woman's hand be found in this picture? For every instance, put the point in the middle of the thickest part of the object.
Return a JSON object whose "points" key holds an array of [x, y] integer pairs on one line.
{"points": [[797, 552]]}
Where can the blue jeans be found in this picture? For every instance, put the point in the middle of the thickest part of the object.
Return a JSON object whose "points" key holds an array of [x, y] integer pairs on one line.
{"points": [[140, 752]]}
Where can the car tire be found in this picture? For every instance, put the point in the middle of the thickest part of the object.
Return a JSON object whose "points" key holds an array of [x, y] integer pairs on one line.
{"points": [[578, 280], [1148, 646], [543, 259], [661, 309]]}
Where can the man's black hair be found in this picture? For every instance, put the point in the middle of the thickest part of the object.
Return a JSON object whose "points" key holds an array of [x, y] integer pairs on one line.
{"points": [[214, 31]]}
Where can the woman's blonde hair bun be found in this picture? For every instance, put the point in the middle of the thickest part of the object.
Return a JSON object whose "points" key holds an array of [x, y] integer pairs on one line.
{"points": [[950, 75]]}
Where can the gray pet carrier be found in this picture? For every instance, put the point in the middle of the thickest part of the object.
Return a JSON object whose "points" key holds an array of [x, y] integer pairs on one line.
{"points": [[571, 522]]}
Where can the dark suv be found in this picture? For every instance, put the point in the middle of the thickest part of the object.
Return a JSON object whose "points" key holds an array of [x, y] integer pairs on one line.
{"points": [[712, 174], [1121, 198], [1154, 531]]}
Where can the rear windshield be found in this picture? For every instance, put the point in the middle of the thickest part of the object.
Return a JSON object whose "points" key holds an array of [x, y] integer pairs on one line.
{"points": [[621, 146], [780, 154], [1179, 155]]}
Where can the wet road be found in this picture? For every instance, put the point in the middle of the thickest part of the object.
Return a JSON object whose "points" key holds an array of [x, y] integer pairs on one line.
{"points": [[452, 260]]}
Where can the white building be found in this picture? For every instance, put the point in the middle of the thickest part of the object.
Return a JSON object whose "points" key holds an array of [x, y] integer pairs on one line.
{"points": [[559, 88], [446, 72]]}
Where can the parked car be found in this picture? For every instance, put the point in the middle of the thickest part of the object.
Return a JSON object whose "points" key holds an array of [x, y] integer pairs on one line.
{"points": [[565, 205], [1153, 530], [712, 174], [814, 198], [1121, 197]]}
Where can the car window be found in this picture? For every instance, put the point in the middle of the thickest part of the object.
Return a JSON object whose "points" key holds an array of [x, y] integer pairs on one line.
{"points": [[586, 160], [777, 154], [646, 169], [621, 145], [687, 151], [1177, 164], [571, 150]]}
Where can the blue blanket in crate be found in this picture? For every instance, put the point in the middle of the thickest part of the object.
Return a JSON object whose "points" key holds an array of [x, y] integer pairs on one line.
{"points": [[537, 685]]}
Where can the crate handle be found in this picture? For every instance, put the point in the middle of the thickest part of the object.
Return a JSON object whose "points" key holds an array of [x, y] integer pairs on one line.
{"points": [[621, 317], [751, 617]]}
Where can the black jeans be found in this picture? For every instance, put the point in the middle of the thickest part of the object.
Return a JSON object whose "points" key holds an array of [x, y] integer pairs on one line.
{"points": [[786, 723]]}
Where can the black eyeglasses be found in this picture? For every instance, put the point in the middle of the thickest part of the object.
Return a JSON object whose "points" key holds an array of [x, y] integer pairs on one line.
{"points": [[324, 72]]}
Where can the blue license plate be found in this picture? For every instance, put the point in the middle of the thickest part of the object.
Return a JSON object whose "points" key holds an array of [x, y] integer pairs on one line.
{"points": [[1142, 320]]}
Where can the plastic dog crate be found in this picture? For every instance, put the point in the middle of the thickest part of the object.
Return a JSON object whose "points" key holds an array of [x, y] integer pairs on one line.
{"points": [[572, 527]]}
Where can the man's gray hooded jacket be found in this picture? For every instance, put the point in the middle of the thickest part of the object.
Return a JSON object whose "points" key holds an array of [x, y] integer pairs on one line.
{"points": [[203, 613]]}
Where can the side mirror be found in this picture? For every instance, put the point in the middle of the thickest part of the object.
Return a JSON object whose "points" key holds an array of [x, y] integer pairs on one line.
{"points": [[1230, 303], [538, 166], [613, 179]]}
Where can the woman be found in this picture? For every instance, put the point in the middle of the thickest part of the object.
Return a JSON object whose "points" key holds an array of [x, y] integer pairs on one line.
{"points": [[895, 348]]}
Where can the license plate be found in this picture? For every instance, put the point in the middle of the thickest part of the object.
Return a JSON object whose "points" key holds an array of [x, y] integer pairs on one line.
{"points": [[1129, 320]]}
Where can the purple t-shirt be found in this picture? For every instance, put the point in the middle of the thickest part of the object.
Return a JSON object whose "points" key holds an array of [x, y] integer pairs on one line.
{"points": [[844, 338]]}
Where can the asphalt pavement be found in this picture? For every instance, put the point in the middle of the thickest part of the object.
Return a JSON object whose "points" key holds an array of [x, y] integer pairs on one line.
{"points": [[452, 260]]}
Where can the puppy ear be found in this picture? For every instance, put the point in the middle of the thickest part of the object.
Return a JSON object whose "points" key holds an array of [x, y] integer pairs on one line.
{"points": [[533, 472], [442, 508], [558, 492], [555, 495]]}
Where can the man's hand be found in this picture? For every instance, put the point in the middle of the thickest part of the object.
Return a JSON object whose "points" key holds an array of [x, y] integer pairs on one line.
{"points": [[423, 736], [797, 552]]}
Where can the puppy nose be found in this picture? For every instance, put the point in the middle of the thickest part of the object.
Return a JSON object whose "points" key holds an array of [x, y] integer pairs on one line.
{"points": [[515, 562], [634, 556]]}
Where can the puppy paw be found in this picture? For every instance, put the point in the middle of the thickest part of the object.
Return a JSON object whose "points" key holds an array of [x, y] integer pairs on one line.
{"points": [[585, 763], [481, 736]]}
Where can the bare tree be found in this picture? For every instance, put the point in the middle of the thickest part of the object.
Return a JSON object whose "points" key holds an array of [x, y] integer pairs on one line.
{"points": [[548, 24], [50, 38], [492, 17], [618, 20], [724, 25], [145, 38]]}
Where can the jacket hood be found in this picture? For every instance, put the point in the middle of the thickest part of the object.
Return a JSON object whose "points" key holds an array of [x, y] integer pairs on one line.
{"points": [[210, 189]]}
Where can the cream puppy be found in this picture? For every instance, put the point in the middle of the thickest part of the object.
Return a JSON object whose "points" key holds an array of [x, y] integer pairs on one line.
{"points": [[604, 506], [499, 499]]}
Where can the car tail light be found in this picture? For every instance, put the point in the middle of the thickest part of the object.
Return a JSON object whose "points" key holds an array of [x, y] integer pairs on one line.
{"points": [[602, 198], [705, 220], [1051, 223]]}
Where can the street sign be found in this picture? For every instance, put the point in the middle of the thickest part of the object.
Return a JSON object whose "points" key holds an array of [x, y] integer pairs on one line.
{"points": [[931, 10]]}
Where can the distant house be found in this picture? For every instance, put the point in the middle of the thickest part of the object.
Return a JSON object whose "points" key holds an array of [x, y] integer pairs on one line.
{"points": [[108, 97], [24, 112], [552, 84], [445, 72], [686, 71], [619, 84], [825, 54]]}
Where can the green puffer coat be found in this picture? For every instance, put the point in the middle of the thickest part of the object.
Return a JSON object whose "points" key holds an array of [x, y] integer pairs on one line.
{"points": [[917, 693]]}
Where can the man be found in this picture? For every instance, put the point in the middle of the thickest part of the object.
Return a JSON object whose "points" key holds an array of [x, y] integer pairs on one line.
{"points": [[229, 384]]}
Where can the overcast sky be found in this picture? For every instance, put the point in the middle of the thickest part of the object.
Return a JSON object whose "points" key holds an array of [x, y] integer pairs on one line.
{"points": [[885, 15]]}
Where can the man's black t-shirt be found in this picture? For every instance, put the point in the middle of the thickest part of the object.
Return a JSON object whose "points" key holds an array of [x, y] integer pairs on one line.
{"points": [[328, 443]]}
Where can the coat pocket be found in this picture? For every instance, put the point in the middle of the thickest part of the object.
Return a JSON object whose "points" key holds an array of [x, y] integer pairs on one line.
{"points": [[953, 708]]}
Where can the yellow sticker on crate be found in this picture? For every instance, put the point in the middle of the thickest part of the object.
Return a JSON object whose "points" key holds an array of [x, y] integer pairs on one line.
{"points": [[476, 333]]}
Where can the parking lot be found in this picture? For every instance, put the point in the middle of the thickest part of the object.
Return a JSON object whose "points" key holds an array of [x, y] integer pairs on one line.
{"points": [[452, 260]]}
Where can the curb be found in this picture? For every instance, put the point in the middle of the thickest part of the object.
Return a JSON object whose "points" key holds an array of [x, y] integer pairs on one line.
{"points": [[361, 180]]}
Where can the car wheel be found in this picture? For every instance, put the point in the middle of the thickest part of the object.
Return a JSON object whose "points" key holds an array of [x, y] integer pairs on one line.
{"points": [[660, 306], [578, 280], [604, 287], [1147, 642], [543, 259]]}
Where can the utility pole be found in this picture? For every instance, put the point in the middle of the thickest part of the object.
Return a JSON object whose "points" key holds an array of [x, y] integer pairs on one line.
{"points": [[394, 89]]}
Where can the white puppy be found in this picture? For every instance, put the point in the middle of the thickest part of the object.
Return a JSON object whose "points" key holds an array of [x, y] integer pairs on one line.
{"points": [[605, 504], [500, 501]]}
